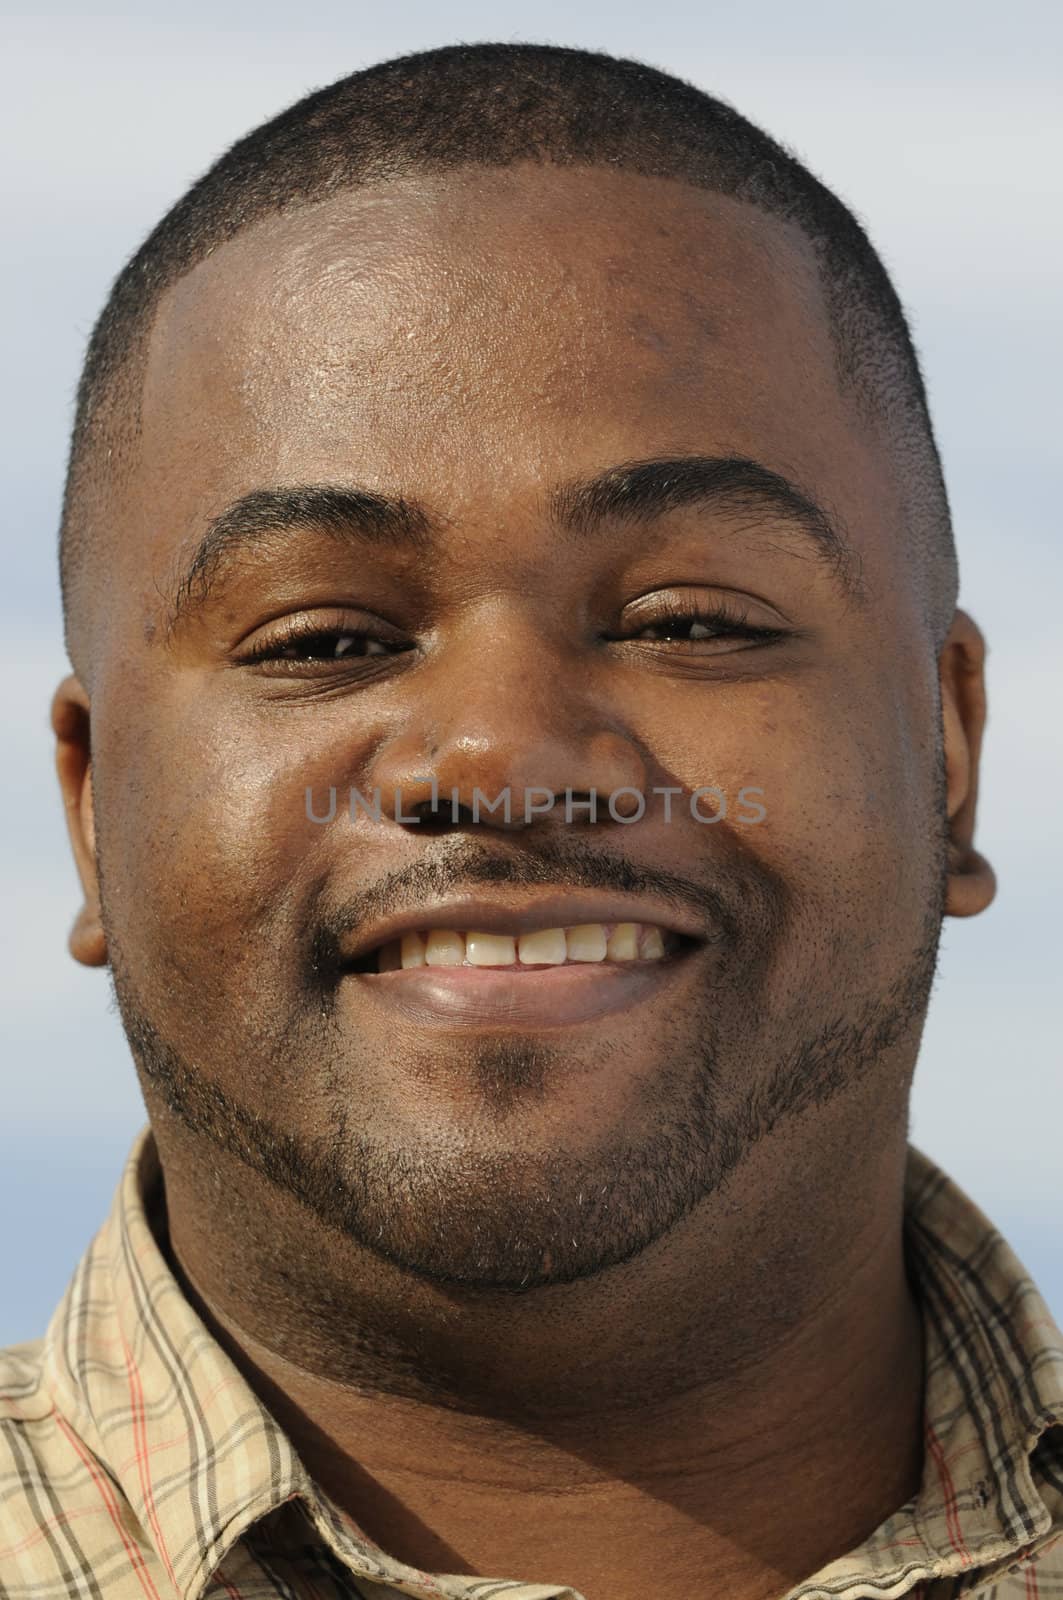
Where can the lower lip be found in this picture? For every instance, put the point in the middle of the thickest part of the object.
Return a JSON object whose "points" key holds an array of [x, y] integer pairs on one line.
{"points": [[499, 997]]}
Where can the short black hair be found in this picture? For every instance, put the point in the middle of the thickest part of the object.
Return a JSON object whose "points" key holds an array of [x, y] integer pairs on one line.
{"points": [[494, 104]]}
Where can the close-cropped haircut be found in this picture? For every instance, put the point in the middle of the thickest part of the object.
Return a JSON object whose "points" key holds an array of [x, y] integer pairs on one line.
{"points": [[493, 105]]}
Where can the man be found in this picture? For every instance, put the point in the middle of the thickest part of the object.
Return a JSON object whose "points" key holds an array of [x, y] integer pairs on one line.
{"points": [[521, 745]]}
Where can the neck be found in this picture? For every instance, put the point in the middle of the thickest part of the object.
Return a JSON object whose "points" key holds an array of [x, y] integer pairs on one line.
{"points": [[718, 1393]]}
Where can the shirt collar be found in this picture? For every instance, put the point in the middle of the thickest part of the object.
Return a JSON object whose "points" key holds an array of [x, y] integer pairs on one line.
{"points": [[201, 1461]]}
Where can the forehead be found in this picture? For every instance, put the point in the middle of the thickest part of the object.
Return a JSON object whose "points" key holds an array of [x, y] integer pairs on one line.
{"points": [[464, 337]]}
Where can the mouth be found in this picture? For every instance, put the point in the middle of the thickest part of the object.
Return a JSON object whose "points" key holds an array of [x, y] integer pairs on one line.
{"points": [[481, 964]]}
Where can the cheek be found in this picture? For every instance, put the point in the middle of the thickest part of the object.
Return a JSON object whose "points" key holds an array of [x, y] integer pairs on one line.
{"points": [[846, 791], [209, 854], [212, 872]]}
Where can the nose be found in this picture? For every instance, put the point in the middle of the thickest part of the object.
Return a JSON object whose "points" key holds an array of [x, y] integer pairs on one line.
{"points": [[506, 731]]}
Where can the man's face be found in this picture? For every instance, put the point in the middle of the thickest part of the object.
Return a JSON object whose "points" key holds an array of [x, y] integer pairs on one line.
{"points": [[471, 344]]}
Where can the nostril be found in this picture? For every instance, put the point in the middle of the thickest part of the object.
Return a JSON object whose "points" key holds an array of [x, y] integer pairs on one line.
{"points": [[439, 814]]}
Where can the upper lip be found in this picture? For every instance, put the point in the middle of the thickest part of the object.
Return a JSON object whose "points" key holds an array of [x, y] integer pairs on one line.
{"points": [[559, 908]]}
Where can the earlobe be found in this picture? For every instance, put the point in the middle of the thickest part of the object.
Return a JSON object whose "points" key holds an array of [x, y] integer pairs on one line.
{"points": [[971, 884], [71, 721], [86, 942]]}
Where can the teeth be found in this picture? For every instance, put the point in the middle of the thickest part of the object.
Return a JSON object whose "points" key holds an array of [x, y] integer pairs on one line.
{"points": [[623, 942], [586, 943], [490, 949], [445, 948], [546, 948]]}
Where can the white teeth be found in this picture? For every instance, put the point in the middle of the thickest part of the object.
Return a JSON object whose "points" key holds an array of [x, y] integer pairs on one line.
{"points": [[586, 943], [445, 948], [546, 948], [623, 942], [490, 949]]}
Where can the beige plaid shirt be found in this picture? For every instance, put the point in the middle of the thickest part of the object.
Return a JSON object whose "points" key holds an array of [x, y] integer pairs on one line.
{"points": [[137, 1464]]}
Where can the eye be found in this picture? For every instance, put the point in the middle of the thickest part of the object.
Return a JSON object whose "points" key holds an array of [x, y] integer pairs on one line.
{"points": [[687, 620], [312, 644]]}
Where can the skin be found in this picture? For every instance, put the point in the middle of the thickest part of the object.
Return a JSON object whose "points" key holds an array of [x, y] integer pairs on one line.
{"points": [[616, 1303]]}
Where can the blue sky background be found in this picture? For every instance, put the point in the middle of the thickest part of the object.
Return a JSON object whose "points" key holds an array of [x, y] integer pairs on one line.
{"points": [[939, 124]]}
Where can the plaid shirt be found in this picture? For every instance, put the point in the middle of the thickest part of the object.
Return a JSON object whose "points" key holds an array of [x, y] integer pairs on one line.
{"points": [[137, 1464]]}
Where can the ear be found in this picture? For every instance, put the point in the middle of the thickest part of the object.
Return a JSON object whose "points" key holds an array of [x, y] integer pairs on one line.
{"points": [[73, 762], [972, 883]]}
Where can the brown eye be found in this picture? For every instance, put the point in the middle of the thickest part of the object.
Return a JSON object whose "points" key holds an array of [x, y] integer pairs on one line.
{"points": [[699, 625], [685, 628], [324, 645], [314, 644]]}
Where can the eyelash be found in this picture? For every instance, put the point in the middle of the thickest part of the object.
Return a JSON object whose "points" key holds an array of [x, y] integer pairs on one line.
{"points": [[719, 617], [303, 631]]}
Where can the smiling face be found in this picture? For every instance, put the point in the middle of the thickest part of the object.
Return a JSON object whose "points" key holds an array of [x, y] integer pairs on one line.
{"points": [[590, 476]]}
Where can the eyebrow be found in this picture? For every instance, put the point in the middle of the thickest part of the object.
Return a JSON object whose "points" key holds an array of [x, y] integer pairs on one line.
{"points": [[642, 491], [637, 492], [252, 521]]}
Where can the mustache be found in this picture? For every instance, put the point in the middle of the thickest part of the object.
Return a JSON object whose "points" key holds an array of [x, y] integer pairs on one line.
{"points": [[463, 864]]}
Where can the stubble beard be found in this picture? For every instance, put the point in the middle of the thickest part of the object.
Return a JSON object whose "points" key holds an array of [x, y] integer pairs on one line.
{"points": [[514, 1220]]}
